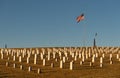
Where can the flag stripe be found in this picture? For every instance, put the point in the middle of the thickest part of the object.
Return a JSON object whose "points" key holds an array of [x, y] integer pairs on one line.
{"points": [[79, 18]]}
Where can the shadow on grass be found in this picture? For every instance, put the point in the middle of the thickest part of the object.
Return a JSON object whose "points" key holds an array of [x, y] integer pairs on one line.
{"points": [[6, 75], [47, 71]]}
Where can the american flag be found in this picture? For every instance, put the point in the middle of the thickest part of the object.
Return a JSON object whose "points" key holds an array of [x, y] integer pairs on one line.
{"points": [[79, 18]]}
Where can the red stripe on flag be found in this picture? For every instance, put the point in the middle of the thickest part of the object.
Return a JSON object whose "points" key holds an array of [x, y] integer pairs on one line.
{"points": [[79, 18]]}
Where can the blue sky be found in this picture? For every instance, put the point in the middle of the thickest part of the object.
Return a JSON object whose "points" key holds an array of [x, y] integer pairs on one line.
{"points": [[45, 23]]}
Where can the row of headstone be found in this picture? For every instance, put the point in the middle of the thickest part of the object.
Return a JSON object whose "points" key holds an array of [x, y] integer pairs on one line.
{"points": [[21, 67], [83, 54]]}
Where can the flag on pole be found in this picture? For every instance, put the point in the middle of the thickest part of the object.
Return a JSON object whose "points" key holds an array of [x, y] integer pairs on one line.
{"points": [[79, 18]]}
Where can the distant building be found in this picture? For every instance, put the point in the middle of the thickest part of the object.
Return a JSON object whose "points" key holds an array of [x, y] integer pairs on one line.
{"points": [[5, 45], [94, 43]]}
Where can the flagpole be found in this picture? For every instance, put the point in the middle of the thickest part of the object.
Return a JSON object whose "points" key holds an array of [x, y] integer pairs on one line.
{"points": [[84, 35]]}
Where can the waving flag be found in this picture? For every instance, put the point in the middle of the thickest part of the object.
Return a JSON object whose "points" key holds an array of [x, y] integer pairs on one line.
{"points": [[79, 18]]}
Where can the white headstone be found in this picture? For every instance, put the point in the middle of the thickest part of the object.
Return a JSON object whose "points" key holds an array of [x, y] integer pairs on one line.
{"points": [[52, 65], [37, 51], [23, 54], [110, 57], [29, 54], [64, 59], [103, 55], [21, 67], [75, 58], [72, 55], [83, 58], [18, 53], [111, 62], [7, 64], [54, 54], [35, 58], [43, 62], [33, 51], [29, 68], [1, 55], [14, 58], [8, 58], [90, 64], [20, 59], [71, 65], [89, 53], [14, 65], [117, 56], [81, 62], [79, 55], [101, 61], [119, 59], [27, 60], [93, 59], [61, 64], [48, 55], [60, 57], [56, 60], [65, 54], [60, 54], [96, 54], [7, 53], [41, 55], [39, 70], [43, 51], [12, 53], [86, 56]]}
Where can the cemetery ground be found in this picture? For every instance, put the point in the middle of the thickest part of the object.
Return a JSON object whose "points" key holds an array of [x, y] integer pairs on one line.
{"points": [[14, 64], [111, 71]]}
